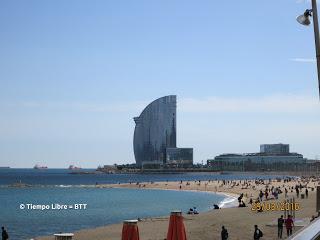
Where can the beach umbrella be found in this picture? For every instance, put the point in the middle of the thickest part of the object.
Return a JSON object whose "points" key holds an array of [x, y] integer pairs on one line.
{"points": [[176, 229], [130, 230]]}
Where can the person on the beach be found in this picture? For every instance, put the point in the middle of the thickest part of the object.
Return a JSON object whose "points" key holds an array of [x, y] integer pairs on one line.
{"points": [[280, 226], [307, 192], [5, 235], [260, 196], [195, 210], [285, 192], [266, 194], [289, 224], [257, 233], [242, 204], [224, 233], [240, 198]]}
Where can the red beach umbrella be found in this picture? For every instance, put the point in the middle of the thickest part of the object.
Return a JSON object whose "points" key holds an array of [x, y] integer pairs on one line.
{"points": [[130, 230], [176, 229]]}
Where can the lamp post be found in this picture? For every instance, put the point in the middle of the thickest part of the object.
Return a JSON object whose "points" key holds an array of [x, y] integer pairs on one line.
{"points": [[304, 20]]}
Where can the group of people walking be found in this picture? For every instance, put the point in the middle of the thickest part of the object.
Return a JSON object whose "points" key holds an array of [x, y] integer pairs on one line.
{"points": [[257, 234], [288, 223]]}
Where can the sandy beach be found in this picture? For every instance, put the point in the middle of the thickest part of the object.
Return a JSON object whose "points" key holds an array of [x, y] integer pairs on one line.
{"points": [[207, 226]]}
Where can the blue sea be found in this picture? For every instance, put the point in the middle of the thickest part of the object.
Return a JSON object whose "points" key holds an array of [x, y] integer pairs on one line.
{"points": [[103, 206]]}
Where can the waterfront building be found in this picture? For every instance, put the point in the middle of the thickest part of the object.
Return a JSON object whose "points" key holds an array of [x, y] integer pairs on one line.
{"points": [[272, 157], [155, 134]]}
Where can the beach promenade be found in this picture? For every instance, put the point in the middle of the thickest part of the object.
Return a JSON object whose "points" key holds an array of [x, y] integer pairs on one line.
{"points": [[207, 226]]}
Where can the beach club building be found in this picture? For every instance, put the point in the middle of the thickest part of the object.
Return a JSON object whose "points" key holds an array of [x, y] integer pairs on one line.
{"points": [[155, 139], [272, 157]]}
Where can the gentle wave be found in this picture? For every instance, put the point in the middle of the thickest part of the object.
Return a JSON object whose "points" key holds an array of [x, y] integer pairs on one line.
{"points": [[228, 202], [64, 186]]}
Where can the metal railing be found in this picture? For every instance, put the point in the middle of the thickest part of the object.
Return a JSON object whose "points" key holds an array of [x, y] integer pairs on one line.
{"points": [[309, 232]]}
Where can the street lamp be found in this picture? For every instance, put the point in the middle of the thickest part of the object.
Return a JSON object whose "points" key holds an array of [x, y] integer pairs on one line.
{"points": [[304, 19]]}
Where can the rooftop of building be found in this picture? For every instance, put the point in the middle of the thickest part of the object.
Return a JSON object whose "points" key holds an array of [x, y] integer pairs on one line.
{"points": [[258, 154]]}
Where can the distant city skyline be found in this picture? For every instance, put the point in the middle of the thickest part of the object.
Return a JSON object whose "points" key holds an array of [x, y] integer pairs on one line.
{"points": [[74, 73]]}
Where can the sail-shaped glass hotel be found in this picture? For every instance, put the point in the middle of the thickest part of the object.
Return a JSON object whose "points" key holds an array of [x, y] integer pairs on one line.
{"points": [[155, 134]]}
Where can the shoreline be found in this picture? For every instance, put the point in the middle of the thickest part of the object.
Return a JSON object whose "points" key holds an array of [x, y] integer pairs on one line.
{"points": [[207, 225], [232, 203]]}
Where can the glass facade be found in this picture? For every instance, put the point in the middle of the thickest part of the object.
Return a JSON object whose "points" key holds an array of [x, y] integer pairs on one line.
{"points": [[180, 156], [274, 148], [155, 131]]}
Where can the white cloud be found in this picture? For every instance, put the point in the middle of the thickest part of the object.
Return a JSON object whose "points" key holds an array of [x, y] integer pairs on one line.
{"points": [[78, 106], [107, 107], [304, 60], [303, 1], [264, 104], [269, 104]]}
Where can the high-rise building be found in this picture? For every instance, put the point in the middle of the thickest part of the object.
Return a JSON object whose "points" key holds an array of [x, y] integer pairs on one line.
{"points": [[155, 131]]}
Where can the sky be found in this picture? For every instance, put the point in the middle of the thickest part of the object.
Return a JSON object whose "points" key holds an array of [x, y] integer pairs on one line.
{"points": [[74, 73]]}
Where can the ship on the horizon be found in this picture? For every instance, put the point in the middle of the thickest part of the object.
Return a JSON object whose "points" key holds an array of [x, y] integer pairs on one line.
{"points": [[73, 167], [38, 166]]}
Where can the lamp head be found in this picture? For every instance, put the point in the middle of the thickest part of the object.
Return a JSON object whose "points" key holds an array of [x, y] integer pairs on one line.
{"points": [[304, 19]]}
